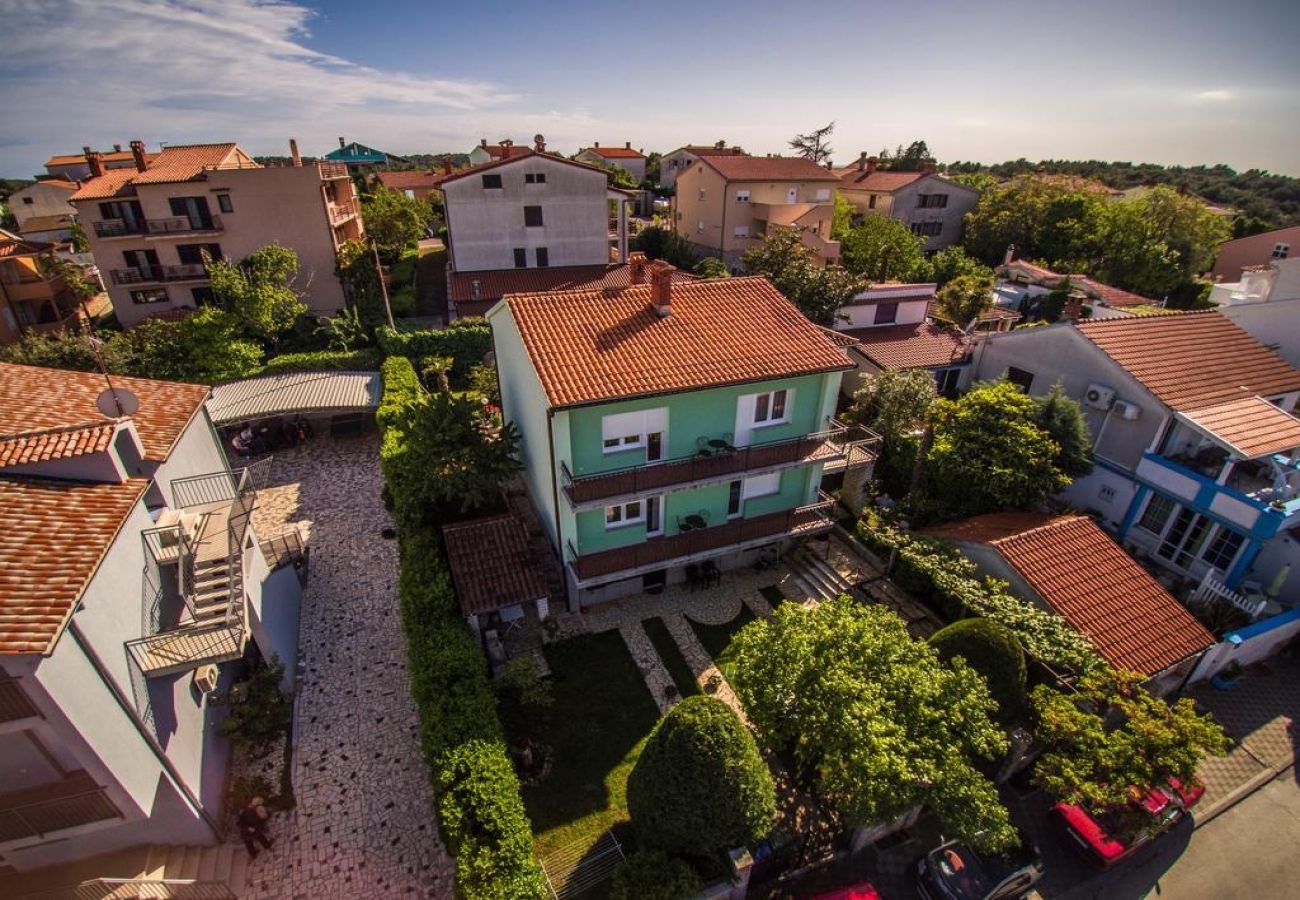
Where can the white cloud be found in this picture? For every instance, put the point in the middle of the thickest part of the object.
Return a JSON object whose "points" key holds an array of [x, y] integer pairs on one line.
{"points": [[107, 71], [1215, 96]]}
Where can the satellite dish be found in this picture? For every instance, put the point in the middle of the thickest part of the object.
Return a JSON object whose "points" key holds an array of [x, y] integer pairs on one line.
{"points": [[116, 402]]}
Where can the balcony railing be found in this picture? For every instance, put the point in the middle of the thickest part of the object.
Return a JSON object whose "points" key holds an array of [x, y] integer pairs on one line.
{"points": [[657, 551], [157, 274], [182, 225], [837, 442], [36, 812], [14, 703], [117, 228], [341, 212], [332, 169]]}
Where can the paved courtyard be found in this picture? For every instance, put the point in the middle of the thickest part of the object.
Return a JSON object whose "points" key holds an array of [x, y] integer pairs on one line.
{"points": [[364, 824]]}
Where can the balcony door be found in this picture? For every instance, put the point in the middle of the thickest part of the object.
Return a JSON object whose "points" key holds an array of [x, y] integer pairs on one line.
{"points": [[654, 446], [144, 261], [654, 516], [193, 208]]}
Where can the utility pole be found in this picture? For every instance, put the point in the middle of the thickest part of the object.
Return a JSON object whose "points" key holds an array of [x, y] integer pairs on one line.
{"points": [[383, 288]]}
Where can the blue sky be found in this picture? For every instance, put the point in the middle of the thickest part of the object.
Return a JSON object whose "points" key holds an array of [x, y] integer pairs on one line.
{"points": [[1173, 82]]}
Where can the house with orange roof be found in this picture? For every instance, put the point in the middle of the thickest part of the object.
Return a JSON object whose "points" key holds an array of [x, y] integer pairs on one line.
{"points": [[728, 204], [75, 167], [154, 227], [43, 200], [133, 587], [1196, 440], [681, 158], [1068, 565], [514, 221], [627, 159], [671, 429], [1266, 302], [1024, 284], [931, 205], [32, 302]]}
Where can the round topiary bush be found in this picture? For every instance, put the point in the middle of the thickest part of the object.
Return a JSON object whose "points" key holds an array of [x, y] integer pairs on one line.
{"points": [[993, 650], [651, 875], [700, 786]]}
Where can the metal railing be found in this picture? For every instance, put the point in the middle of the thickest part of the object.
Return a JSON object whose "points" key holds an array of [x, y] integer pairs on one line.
{"points": [[837, 440], [341, 211], [153, 889], [117, 228], [808, 519], [42, 817], [284, 548], [182, 224], [14, 703], [332, 169]]}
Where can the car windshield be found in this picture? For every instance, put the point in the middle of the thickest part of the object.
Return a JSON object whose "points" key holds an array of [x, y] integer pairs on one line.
{"points": [[965, 871]]}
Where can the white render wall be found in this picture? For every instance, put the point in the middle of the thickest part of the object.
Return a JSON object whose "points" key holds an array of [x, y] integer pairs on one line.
{"points": [[1274, 323], [487, 224]]}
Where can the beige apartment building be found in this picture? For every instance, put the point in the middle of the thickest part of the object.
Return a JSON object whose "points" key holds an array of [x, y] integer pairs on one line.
{"points": [[154, 227], [932, 206], [727, 204]]}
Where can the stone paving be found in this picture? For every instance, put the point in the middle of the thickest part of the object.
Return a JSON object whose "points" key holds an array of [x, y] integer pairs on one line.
{"points": [[364, 824]]}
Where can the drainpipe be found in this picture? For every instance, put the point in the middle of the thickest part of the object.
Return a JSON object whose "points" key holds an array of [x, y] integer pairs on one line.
{"points": [[555, 500], [128, 708]]}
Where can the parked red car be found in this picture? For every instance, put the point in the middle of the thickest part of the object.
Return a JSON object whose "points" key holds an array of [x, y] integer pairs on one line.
{"points": [[1096, 833]]}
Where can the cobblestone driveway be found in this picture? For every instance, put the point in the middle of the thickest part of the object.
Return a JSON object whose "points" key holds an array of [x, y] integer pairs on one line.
{"points": [[364, 825]]}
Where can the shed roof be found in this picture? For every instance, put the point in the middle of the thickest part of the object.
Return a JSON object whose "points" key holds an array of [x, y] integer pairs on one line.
{"points": [[490, 564], [1250, 427], [292, 392]]}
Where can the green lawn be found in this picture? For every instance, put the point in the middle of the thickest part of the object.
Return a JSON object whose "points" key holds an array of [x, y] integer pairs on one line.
{"points": [[595, 729], [671, 655], [716, 640]]}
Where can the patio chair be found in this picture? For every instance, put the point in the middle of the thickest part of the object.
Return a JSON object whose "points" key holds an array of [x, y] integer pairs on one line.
{"points": [[694, 578], [710, 573]]}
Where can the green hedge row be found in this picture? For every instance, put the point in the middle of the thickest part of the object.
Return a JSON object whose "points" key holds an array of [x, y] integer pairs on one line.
{"points": [[480, 809], [466, 341], [932, 570], [323, 360]]}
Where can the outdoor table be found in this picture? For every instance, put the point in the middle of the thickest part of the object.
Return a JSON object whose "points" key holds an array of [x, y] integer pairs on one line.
{"points": [[695, 521]]}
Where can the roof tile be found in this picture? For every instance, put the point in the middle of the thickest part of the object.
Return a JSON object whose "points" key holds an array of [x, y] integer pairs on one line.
{"points": [[922, 345], [767, 168], [490, 564]]}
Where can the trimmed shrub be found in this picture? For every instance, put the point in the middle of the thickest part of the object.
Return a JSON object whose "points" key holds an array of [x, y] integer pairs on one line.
{"points": [[466, 341], [700, 786], [403, 302], [323, 360], [993, 650], [653, 876]]}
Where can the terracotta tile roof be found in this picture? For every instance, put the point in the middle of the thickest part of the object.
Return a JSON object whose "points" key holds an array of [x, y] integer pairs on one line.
{"points": [[1192, 360], [182, 162], [1032, 270], [401, 181], [593, 346], [55, 535], [35, 399], [922, 345], [1095, 586], [55, 443], [14, 246], [495, 284], [46, 223], [711, 150], [617, 152], [768, 168], [60, 181], [490, 564], [72, 159], [1251, 426], [516, 154], [113, 183], [882, 182], [1111, 296]]}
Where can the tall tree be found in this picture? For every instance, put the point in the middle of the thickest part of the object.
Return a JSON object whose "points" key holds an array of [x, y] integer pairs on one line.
{"points": [[259, 292], [962, 300], [815, 145], [1113, 735], [894, 402], [906, 159], [1061, 418], [951, 262], [818, 290], [884, 249], [394, 221], [659, 242], [873, 717]]}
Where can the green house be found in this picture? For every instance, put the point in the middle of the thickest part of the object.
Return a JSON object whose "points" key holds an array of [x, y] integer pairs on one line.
{"points": [[670, 424]]}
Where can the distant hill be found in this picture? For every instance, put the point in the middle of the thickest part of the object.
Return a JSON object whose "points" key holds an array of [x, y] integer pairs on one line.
{"points": [[1265, 200]]}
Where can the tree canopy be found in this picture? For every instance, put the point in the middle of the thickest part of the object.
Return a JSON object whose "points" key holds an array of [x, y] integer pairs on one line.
{"points": [[700, 786], [259, 293], [894, 402], [988, 454], [952, 262], [873, 717], [1114, 735], [818, 290], [905, 159], [660, 242], [815, 145], [1061, 418], [963, 299], [993, 650], [394, 221], [711, 267], [883, 249]]}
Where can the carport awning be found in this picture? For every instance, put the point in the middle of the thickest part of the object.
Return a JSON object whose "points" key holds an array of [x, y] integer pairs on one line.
{"points": [[294, 392]]}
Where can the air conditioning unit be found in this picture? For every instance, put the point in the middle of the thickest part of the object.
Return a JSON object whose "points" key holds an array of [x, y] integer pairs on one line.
{"points": [[205, 678], [1098, 396], [1126, 410]]}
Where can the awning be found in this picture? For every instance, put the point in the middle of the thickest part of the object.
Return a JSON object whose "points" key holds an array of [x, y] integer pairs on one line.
{"points": [[294, 392], [1249, 428]]}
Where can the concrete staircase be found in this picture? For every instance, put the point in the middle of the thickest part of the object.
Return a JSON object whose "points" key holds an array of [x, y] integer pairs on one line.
{"points": [[219, 872], [819, 576], [222, 864]]}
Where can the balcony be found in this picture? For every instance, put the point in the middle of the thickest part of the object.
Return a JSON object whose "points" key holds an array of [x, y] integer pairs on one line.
{"points": [[158, 274], [837, 447], [341, 212], [331, 170], [36, 812], [183, 225], [113, 228], [1240, 493], [14, 703], [701, 543], [193, 611]]}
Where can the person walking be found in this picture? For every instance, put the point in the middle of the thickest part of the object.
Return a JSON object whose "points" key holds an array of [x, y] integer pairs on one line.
{"points": [[252, 826]]}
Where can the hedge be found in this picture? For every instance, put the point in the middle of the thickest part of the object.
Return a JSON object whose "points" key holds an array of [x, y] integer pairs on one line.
{"points": [[993, 650], [323, 360], [935, 571], [480, 810], [466, 341]]}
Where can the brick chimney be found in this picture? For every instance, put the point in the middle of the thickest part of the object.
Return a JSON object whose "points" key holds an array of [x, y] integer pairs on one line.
{"points": [[661, 287], [720, 145], [137, 153], [482, 142], [627, 145], [507, 146], [293, 152], [446, 165], [636, 263], [1073, 309], [117, 148], [1010, 255], [539, 143], [95, 160], [595, 143], [928, 166], [873, 163], [342, 143], [862, 161]]}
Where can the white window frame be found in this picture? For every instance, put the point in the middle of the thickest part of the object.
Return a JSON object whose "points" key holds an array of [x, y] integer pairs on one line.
{"points": [[628, 431], [786, 402], [756, 486], [621, 515], [742, 196], [823, 194]]}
